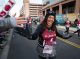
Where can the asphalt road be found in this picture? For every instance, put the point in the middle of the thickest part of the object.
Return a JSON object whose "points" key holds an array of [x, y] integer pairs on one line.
{"points": [[22, 48]]}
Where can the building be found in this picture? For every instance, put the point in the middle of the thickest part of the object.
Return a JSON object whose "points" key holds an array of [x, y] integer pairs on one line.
{"points": [[30, 9], [25, 8], [22, 11], [68, 8], [34, 10]]}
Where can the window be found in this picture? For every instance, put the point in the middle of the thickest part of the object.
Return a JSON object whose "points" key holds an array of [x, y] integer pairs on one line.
{"points": [[71, 10]]}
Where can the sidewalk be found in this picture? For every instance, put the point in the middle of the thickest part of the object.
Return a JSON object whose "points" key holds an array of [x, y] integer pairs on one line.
{"points": [[4, 51]]}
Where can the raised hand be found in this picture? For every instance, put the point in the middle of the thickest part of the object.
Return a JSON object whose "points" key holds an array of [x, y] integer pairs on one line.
{"points": [[20, 21]]}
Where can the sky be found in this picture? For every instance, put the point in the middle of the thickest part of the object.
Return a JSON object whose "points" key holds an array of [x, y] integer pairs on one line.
{"points": [[36, 1], [16, 8]]}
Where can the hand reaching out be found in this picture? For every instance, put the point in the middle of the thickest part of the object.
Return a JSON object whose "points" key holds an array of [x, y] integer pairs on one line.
{"points": [[20, 21]]}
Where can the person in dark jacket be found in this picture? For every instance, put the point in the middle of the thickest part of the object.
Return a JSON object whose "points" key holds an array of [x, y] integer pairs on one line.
{"points": [[78, 25], [47, 33]]}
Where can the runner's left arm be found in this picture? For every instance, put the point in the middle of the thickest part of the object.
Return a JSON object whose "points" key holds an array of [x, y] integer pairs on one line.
{"points": [[60, 35]]}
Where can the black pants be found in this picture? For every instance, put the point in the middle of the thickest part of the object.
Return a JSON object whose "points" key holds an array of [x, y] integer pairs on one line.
{"points": [[40, 57], [79, 33], [67, 30]]}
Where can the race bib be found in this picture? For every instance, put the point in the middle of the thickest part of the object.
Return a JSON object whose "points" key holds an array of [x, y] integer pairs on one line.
{"points": [[67, 25], [48, 49]]}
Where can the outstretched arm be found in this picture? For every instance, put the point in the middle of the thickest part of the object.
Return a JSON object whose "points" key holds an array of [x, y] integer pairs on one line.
{"points": [[10, 22], [26, 33], [76, 31], [58, 34], [37, 32]]}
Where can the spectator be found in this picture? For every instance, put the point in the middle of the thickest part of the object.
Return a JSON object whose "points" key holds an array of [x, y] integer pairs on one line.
{"points": [[7, 23], [10, 22]]}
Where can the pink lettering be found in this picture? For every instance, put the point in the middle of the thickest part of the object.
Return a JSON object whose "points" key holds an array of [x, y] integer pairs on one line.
{"points": [[7, 7], [11, 2], [3, 13]]}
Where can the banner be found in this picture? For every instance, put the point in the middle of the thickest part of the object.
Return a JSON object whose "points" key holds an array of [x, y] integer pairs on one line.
{"points": [[6, 8]]}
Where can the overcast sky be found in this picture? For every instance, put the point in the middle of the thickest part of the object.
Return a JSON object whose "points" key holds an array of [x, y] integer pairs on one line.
{"points": [[36, 1]]}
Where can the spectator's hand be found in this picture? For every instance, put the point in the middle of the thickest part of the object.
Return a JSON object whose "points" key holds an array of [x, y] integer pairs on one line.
{"points": [[20, 21]]}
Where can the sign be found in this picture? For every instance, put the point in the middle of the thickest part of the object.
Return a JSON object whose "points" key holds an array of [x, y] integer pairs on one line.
{"points": [[6, 8]]}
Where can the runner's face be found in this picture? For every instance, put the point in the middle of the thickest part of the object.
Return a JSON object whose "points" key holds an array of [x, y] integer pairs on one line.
{"points": [[50, 21]]}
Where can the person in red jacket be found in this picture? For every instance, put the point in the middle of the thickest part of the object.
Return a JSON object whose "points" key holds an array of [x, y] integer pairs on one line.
{"points": [[46, 33]]}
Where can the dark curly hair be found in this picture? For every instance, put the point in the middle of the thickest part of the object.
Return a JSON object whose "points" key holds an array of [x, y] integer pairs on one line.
{"points": [[44, 23]]}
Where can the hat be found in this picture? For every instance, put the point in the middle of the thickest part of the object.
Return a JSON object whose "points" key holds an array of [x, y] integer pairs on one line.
{"points": [[50, 13]]}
